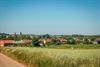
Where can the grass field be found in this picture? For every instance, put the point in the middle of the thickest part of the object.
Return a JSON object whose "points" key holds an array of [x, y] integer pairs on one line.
{"points": [[48, 57], [75, 46]]}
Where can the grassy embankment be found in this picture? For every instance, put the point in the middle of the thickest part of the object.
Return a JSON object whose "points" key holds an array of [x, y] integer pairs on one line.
{"points": [[47, 57]]}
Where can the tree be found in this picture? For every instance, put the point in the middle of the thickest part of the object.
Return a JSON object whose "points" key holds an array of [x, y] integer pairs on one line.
{"points": [[72, 41], [15, 37], [46, 36], [10, 37], [21, 34], [86, 41], [35, 41], [3, 36]]}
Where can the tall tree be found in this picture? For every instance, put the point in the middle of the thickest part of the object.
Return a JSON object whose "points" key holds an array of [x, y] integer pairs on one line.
{"points": [[15, 36], [21, 34]]}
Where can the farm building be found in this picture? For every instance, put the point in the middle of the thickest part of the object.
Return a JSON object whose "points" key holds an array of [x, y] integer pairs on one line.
{"points": [[13, 43], [6, 42], [23, 43]]}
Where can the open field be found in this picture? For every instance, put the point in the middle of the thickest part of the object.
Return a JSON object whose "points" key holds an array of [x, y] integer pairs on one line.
{"points": [[47, 57], [75, 46]]}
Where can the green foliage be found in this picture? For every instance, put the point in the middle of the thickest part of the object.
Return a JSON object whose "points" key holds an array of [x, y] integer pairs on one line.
{"points": [[16, 37], [3, 36]]}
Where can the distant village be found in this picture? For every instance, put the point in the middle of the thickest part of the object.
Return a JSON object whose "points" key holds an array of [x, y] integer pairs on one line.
{"points": [[46, 40]]}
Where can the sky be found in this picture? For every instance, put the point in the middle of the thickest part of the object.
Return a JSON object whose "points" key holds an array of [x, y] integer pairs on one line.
{"points": [[50, 16]]}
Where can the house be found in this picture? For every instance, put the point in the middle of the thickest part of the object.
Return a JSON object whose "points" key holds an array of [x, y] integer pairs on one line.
{"points": [[44, 41], [77, 40], [18, 43], [23, 43], [62, 40], [6, 42], [97, 41], [13, 43], [27, 42]]}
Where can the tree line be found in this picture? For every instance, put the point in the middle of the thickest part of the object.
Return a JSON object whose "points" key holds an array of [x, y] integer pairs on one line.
{"points": [[55, 39]]}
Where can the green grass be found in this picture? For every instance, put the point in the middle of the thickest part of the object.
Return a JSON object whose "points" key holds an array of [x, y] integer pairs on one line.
{"points": [[48, 57], [75, 46]]}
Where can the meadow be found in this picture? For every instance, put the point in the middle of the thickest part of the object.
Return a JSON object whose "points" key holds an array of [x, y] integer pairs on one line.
{"points": [[50, 57], [75, 46]]}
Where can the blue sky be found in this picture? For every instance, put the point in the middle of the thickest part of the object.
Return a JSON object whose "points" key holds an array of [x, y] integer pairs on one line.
{"points": [[50, 16]]}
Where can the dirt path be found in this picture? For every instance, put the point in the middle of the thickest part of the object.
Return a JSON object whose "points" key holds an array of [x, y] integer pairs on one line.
{"points": [[5, 61]]}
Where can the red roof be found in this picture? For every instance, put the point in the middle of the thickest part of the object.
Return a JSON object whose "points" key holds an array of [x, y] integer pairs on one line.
{"points": [[6, 41]]}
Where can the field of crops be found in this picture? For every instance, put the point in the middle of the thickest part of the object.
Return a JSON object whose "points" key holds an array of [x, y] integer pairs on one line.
{"points": [[47, 57]]}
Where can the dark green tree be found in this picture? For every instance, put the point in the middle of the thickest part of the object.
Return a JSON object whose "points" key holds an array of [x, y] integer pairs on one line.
{"points": [[15, 37]]}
